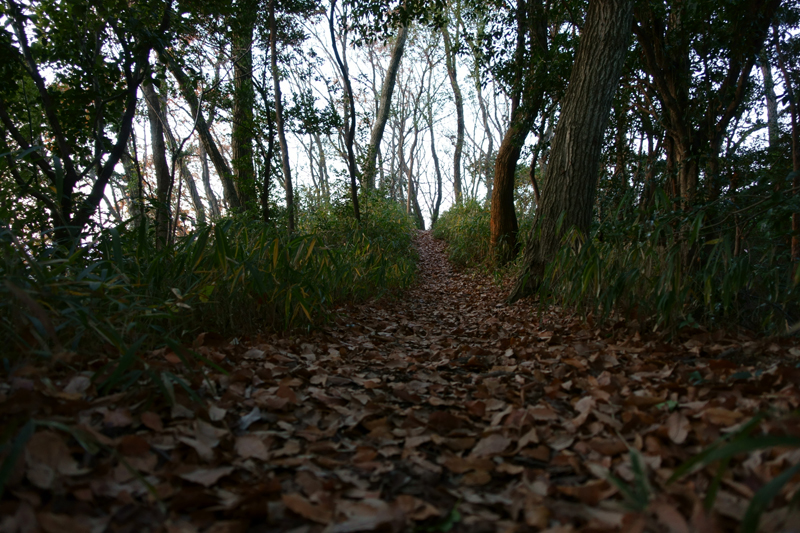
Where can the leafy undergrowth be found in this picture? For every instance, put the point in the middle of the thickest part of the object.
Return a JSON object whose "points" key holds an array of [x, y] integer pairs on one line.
{"points": [[444, 410]]}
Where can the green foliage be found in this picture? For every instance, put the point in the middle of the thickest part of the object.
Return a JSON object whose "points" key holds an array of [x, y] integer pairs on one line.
{"points": [[233, 278], [638, 494], [465, 228], [736, 443], [681, 268]]}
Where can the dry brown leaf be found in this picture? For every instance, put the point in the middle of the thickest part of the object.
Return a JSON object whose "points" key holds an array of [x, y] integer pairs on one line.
{"points": [[321, 514], [251, 446], [47, 457], [152, 421], [678, 427], [207, 476], [368, 515], [492, 445], [61, 523]]}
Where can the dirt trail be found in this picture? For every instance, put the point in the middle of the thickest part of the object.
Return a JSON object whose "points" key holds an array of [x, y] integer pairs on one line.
{"points": [[443, 409]]}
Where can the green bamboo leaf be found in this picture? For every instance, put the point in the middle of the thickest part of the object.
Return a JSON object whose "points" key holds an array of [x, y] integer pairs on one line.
{"points": [[14, 453], [764, 497]]}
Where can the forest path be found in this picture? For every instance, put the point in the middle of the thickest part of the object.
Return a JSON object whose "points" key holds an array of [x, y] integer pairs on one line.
{"points": [[440, 410]]}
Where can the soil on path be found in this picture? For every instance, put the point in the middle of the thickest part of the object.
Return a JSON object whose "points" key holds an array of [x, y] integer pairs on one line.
{"points": [[440, 410]]}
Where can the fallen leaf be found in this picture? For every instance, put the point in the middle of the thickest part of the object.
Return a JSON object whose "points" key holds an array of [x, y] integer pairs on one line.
{"points": [[248, 446], [491, 445], [207, 476]]}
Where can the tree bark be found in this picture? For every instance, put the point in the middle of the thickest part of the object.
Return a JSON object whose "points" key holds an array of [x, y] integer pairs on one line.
{"points": [[525, 105], [450, 62], [795, 250], [276, 82], [384, 106], [437, 202], [243, 99], [351, 129], [771, 99], [571, 181], [160, 164], [265, 215]]}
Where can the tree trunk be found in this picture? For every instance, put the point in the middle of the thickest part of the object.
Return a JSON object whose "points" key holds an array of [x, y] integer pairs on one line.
{"points": [[771, 98], [133, 188], [486, 167], [438, 200], [323, 170], [503, 217], [351, 129], [160, 164], [276, 82], [210, 146], [571, 181], [180, 160], [213, 202], [384, 106], [243, 99], [450, 61], [265, 215], [667, 52], [526, 102], [787, 80]]}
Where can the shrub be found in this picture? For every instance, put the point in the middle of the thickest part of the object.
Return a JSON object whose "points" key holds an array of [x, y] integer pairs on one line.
{"points": [[676, 269], [465, 228], [236, 277]]}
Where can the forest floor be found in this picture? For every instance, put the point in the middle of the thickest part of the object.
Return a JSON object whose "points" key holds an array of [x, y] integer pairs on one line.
{"points": [[441, 410]]}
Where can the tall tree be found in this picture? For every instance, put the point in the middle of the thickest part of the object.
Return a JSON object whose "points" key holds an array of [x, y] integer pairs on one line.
{"points": [[697, 109], [384, 106], [795, 123], [279, 123], [350, 127], [159, 149], [176, 148], [106, 48], [203, 130], [770, 97], [571, 181], [242, 128], [450, 54], [529, 69]]}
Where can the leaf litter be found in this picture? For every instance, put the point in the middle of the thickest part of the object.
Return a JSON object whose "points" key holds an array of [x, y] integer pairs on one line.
{"points": [[441, 410]]}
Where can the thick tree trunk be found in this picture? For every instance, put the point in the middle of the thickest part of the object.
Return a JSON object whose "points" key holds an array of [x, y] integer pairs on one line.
{"points": [[450, 62], [160, 164], [276, 83], [384, 106], [242, 116], [526, 102], [571, 181], [503, 218]]}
